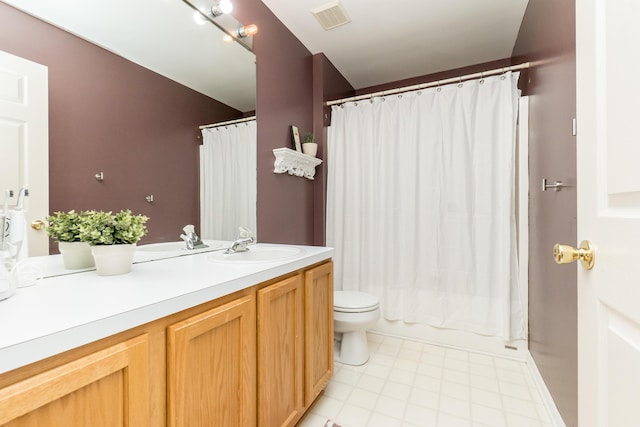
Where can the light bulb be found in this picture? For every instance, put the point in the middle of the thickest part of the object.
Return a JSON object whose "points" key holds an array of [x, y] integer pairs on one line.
{"points": [[198, 18], [225, 6], [247, 30], [221, 8]]}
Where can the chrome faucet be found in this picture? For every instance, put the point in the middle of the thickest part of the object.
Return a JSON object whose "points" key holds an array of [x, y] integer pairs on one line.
{"points": [[244, 239], [191, 239]]}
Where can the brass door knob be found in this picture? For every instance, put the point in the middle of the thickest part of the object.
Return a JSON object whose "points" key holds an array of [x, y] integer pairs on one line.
{"points": [[38, 224], [564, 254]]}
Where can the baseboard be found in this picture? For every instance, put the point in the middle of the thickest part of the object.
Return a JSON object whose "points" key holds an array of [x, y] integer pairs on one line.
{"points": [[452, 338], [547, 399]]}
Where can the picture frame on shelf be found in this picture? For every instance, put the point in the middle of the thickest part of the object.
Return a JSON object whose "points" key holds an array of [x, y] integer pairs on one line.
{"points": [[295, 139]]}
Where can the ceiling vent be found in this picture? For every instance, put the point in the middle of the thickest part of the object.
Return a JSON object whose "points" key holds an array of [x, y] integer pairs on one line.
{"points": [[331, 15]]}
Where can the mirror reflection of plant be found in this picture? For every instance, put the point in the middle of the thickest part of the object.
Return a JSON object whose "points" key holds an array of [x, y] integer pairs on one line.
{"points": [[65, 226], [106, 228]]}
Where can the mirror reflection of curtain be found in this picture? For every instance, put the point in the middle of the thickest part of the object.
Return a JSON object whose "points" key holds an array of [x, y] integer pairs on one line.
{"points": [[420, 205], [228, 180]]}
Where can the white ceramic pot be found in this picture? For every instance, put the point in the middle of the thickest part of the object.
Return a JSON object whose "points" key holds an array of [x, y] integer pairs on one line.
{"points": [[76, 255], [7, 284], [310, 148], [112, 260]]}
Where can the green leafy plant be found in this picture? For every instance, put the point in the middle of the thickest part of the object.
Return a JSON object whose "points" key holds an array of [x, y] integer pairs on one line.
{"points": [[65, 226], [106, 228], [308, 138]]}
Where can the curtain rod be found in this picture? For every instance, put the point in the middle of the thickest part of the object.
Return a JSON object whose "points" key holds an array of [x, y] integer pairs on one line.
{"points": [[480, 74], [230, 122]]}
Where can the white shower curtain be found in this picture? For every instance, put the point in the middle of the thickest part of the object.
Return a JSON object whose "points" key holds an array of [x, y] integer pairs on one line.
{"points": [[420, 204], [228, 180]]}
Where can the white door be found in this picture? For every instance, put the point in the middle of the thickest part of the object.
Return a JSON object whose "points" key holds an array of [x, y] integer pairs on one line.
{"points": [[24, 141], [608, 151]]}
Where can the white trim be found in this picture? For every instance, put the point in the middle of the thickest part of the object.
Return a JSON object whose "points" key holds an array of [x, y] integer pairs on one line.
{"points": [[547, 399], [523, 206], [468, 341]]}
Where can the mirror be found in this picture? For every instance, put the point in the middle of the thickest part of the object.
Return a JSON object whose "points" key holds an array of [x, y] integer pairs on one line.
{"points": [[161, 36]]}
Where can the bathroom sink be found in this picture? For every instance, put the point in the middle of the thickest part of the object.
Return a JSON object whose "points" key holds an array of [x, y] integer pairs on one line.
{"points": [[180, 247], [258, 253]]}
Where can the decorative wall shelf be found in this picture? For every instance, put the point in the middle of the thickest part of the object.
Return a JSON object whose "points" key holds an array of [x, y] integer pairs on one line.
{"points": [[294, 163]]}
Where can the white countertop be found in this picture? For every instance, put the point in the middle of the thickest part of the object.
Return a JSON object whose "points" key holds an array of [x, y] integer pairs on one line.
{"points": [[66, 311]]}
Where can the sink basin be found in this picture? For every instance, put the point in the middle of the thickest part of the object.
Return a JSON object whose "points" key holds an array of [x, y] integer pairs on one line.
{"points": [[258, 253], [179, 247]]}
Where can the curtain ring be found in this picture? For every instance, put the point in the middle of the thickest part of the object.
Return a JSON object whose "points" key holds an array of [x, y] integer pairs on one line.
{"points": [[481, 78], [419, 92], [438, 89], [399, 96], [460, 81]]}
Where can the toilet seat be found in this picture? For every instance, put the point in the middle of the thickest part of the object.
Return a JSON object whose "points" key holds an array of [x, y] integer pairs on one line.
{"points": [[354, 302]]}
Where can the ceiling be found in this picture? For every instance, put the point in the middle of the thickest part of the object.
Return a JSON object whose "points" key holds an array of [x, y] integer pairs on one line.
{"points": [[399, 39], [162, 36]]}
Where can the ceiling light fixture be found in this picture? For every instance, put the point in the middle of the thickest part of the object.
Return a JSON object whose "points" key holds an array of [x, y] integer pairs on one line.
{"points": [[233, 30]]}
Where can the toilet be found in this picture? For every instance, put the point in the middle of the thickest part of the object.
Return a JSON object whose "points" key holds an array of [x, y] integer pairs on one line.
{"points": [[353, 313]]}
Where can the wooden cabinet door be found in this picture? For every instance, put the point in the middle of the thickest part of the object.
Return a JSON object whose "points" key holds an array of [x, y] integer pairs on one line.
{"points": [[106, 388], [280, 358], [318, 321], [211, 367]]}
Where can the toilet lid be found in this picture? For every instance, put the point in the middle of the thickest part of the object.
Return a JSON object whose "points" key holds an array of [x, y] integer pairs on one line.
{"points": [[354, 301]]}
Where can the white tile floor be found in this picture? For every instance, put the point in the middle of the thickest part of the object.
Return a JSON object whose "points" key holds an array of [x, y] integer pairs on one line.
{"points": [[411, 384]]}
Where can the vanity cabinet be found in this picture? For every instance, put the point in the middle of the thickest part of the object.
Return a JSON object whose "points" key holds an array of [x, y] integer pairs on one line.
{"points": [[256, 357], [211, 367], [109, 387]]}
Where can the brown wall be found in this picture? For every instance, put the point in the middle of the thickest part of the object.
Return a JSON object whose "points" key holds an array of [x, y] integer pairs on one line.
{"points": [[109, 115], [328, 84], [284, 98], [547, 39]]}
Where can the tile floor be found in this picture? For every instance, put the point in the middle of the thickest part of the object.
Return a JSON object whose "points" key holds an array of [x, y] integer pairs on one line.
{"points": [[412, 384]]}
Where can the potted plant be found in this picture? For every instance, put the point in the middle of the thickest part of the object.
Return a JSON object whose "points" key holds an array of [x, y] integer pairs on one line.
{"points": [[65, 228], [309, 145], [113, 239]]}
